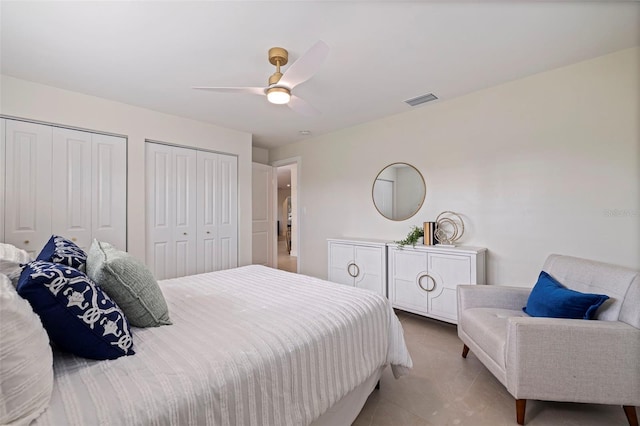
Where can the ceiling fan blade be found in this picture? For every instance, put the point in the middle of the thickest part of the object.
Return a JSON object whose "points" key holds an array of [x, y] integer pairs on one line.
{"points": [[301, 106], [306, 66], [247, 90]]}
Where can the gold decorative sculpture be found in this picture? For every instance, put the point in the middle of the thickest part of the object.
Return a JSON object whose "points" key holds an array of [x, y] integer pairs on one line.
{"points": [[449, 228]]}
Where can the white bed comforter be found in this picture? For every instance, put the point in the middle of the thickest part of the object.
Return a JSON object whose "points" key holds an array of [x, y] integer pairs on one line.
{"points": [[248, 346]]}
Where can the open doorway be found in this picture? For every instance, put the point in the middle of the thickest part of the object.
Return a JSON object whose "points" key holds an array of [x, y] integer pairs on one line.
{"points": [[287, 217]]}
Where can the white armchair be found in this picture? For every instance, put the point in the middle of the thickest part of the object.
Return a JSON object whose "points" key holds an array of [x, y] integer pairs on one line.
{"points": [[553, 359]]}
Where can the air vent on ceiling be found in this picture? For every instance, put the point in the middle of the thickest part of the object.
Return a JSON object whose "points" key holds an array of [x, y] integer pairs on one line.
{"points": [[421, 99]]}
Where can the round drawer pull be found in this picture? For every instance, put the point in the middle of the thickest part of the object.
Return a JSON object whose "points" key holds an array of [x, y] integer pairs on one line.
{"points": [[428, 277], [356, 272], [26, 241]]}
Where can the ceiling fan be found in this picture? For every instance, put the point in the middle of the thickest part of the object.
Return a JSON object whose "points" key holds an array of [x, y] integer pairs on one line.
{"points": [[280, 85]]}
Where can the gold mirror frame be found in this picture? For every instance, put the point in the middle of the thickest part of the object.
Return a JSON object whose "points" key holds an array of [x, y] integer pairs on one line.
{"points": [[384, 209]]}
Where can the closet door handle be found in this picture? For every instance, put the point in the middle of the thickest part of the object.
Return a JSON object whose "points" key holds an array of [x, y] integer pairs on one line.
{"points": [[428, 290], [357, 271], [184, 233]]}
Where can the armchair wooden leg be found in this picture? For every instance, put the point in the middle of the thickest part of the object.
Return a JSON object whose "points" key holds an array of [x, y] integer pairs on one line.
{"points": [[630, 411], [465, 351], [521, 404]]}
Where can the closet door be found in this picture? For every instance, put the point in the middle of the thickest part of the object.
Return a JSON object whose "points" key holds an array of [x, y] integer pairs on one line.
{"points": [[185, 207], [159, 190], [207, 240], [89, 177], [171, 210], [217, 182], [28, 186], [72, 189], [109, 194], [227, 208]]}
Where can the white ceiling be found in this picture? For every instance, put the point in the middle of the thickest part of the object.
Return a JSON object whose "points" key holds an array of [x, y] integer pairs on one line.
{"points": [[150, 53]]}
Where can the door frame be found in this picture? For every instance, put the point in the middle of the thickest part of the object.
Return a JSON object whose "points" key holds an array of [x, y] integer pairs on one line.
{"points": [[287, 162]]}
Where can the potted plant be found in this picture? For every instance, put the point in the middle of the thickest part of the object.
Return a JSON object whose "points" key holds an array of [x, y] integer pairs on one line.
{"points": [[412, 237]]}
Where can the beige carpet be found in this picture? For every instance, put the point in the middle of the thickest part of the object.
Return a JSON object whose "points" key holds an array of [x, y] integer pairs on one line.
{"points": [[445, 389]]}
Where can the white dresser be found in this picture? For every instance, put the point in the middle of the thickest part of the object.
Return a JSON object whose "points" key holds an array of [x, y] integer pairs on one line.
{"points": [[423, 279], [359, 263]]}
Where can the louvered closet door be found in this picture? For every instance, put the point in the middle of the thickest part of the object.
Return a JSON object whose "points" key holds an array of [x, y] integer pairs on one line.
{"points": [[28, 189], [109, 194], [71, 178], [227, 200]]}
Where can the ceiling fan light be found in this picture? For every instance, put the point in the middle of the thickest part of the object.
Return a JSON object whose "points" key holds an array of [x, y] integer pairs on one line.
{"points": [[278, 95]]}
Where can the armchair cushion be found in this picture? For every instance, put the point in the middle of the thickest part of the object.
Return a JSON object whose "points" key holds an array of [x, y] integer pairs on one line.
{"points": [[551, 299], [489, 325]]}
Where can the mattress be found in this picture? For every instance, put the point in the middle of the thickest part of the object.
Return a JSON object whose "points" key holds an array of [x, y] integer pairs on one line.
{"points": [[248, 346]]}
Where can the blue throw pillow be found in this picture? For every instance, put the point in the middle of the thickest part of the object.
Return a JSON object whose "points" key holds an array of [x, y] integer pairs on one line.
{"points": [[60, 250], [549, 298], [78, 316]]}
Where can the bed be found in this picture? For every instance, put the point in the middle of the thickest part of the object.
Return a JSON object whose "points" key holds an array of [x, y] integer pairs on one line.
{"points": [[248, 346]]}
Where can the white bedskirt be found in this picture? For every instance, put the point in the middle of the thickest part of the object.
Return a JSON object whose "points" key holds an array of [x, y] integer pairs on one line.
{"points": [[248, 346]]}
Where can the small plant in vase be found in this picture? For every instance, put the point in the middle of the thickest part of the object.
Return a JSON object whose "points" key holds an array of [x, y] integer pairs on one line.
{"points": [[412, 237]]}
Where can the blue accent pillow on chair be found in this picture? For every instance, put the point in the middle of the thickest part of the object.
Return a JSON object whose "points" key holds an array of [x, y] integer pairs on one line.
{"points": [[549, 298], [61, 250], [78, 316]]}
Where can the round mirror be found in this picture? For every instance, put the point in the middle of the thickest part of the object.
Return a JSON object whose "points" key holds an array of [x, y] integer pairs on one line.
{"points": [[398, 191]]}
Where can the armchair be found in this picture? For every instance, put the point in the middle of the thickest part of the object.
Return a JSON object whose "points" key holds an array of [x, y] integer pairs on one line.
{"points": [[552, 359]]}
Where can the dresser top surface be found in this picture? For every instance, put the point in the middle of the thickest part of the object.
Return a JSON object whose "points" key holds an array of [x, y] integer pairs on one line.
{"points": [[421, 247], [439, 248], [359, 240]]}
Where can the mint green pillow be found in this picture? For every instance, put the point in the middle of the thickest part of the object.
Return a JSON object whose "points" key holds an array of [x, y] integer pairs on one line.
{"points": [[129, 283]]}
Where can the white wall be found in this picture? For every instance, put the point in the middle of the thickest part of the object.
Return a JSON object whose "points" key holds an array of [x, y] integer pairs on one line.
{"points": [[20, 98], [260, 155], [545, 164]]}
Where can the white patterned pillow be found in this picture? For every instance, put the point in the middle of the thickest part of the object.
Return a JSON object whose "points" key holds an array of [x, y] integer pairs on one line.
{"points": [[11, 257], [26, 361]]}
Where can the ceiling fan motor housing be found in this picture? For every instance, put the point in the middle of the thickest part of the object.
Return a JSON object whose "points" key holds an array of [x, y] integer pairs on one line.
{"points": [[278, 57], [278, 54]]}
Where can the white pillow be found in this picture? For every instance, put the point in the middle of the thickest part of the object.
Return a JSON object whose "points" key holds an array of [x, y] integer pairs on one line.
{"points": [[10, 259], [26, 361]]}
